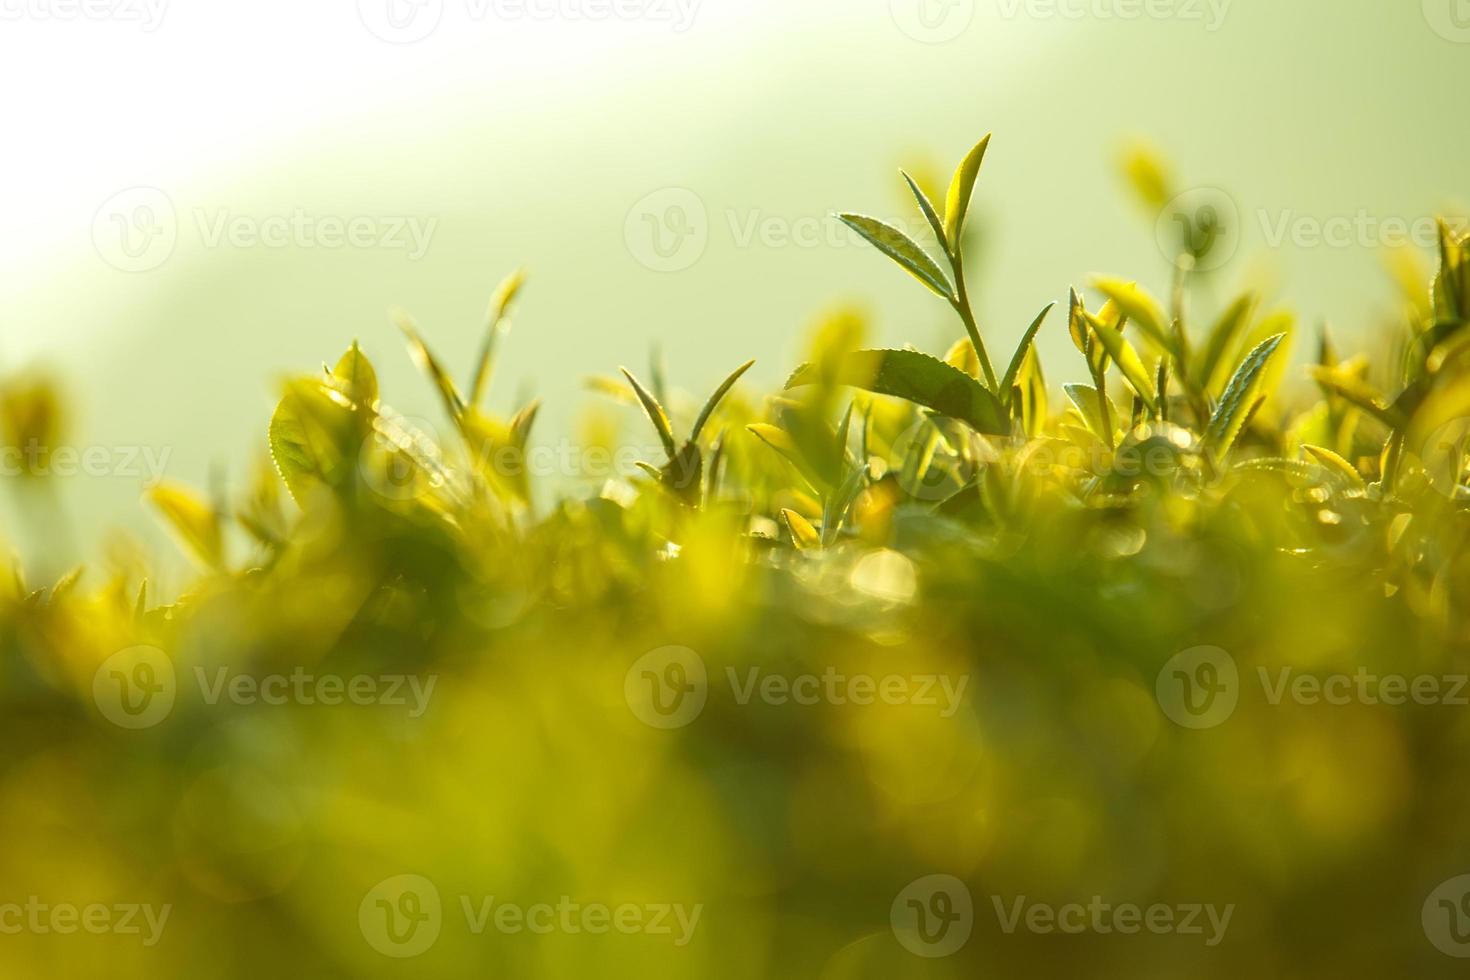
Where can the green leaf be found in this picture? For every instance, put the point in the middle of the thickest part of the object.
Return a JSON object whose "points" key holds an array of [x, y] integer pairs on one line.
{"points": [[655, 413], [1221, 336], [1089, 403], [313, 434], [1019, 357], [1240, 398], [1448, 402], [521, 423], [192, 520], [1344, 471], [430, 365], [780, 440], [1127, 359], [927, 207], [1141, 308], [683, 476], [360, 381], [505, 295], [716, 398], [1356, 392], [961, 188], [903, 250], [918, 378], [803, 535]]}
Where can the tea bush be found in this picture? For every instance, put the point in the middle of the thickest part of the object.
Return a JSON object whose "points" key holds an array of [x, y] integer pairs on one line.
{"points": [[1164, 677]]}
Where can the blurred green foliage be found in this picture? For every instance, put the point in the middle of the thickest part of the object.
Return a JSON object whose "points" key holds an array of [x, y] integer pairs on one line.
{"points": [[889, 514]]}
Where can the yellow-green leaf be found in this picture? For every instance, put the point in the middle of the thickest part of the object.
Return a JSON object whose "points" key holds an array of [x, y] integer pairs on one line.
{"points": [[193, 521], [961, 188], [903, 250]]}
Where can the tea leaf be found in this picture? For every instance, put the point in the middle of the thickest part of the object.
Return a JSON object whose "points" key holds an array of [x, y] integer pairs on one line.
{"points": [[1356, 392], [1337, 466], [1240, 398], [1023, 348], [961, 188], [1089, 402], [935, 221], [903, 250], [429, 364], [505, 294], [359, 379], [192, 520], [921, 379], [803, 535], [716, 398], [683, 476], [1141, 308], [1221, 336], [655, 413], [1127, 359]]}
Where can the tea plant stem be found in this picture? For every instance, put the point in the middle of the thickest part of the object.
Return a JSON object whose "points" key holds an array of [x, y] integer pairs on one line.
{"points": [[961, 304]]}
